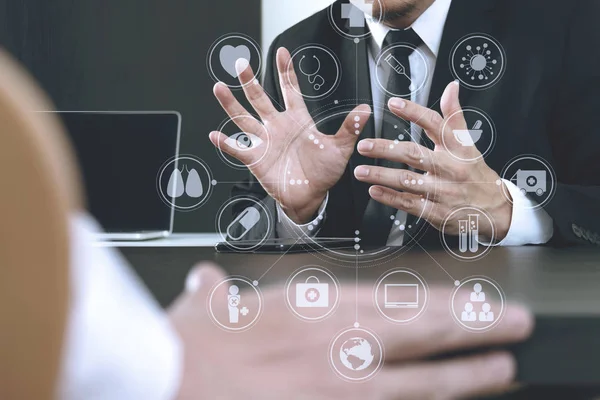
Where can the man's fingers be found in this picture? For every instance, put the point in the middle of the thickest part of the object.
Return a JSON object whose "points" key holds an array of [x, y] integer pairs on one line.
{"points": [[236, 111], [449, 379], [437, 333], [411, 203], [400, 179], [222, 142], [450, 102], [426, 118], [353, 125], [254, 91], [410, 153], [288, 80]]}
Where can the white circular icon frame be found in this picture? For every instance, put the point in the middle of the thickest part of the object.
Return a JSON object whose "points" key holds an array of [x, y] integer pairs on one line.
{"points": [[256, 317], [168, 199], [298, 72], [500, 315], [548, 168], [501, 52], [360, 331], [266, 140], [388, 50]]}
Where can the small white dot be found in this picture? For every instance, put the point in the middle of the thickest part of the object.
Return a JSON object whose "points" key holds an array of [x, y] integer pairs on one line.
{"points": [[357, 126], [402, 227], [413, 182], [357, 246], [423, 199], [396, 222], [395, 126], [410, 226], [357, 118], [310, 227], [357, 240], [321, 147], [401, 137], [292, 182], [357, 232], [421, 161], [396, 142], [336, 101], [311, 137], [214, 182], [357, 132], [420, 181], [499, 182], [316, 141], [362, 251], [255, 283], [406, 182], [320, 217], [391, 146], [256, 82], [456, 283], [356, 40], [306, 181], [299, 182], [289, 172], [392, 217]]}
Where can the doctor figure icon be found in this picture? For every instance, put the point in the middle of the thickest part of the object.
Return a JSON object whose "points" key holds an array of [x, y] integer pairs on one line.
{"points": [[468, 315], [477, 295], [486, 315], [233, 301]]}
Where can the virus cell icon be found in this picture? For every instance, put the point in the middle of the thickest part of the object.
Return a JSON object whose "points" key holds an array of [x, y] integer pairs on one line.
{"points": [[478, 61]]}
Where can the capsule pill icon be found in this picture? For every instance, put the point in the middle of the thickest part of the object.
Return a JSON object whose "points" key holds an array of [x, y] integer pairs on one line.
{"points": [[244, 222]]}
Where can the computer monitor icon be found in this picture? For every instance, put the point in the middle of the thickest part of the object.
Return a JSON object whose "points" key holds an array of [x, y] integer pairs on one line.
{"points": [[401, 295]]}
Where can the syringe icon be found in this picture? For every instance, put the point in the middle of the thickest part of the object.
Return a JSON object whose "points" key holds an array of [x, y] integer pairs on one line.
{"points": [[396, 65]]}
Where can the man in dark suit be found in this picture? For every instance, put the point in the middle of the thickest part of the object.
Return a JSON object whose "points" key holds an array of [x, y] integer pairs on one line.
{"points": [[530, 72]]}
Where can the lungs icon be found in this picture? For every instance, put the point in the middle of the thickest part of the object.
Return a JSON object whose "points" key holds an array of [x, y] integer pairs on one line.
{"points": [[193, 186], [175, 186]]}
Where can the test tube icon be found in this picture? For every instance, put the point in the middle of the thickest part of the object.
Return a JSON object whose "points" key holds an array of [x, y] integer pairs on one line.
{"points": [[463, 237], [473, 232]]}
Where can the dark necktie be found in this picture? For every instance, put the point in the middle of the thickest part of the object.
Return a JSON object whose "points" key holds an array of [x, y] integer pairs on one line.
{"points": [[378, 218]]}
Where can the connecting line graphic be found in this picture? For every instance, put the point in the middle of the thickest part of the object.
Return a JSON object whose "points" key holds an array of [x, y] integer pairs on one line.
{"points": [[279, 259], [356, 289], [434, 260]]}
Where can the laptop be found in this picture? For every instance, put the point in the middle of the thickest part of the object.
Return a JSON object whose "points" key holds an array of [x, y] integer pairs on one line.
{"points": [[121, 154]]}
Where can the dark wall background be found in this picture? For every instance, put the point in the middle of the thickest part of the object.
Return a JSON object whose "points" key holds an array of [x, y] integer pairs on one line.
{"points": [[134, 55]]}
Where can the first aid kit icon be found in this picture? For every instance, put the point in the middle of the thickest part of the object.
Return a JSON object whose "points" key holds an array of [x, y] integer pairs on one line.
{"points": [[312, 294]]}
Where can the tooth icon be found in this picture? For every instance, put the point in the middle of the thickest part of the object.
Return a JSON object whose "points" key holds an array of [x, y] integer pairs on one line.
{"points": [[175, 186], [193, 186]]}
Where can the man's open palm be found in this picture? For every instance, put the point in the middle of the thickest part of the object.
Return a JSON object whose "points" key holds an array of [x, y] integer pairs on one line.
{"points": [[300, 164]]}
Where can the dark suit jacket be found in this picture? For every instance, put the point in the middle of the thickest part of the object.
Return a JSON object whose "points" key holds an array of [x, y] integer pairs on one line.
{"points": [[547, 102]]}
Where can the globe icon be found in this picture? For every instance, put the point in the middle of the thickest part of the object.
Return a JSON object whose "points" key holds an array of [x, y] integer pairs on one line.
{"points": [[356, 354]]}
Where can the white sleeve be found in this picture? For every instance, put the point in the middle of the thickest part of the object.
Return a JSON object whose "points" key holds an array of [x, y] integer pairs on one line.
{"points": [[119, 342], [529, 225], [288, 229]]}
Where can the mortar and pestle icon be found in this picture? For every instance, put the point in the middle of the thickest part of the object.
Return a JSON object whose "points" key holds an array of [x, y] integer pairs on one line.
{"points": [[468, 137]]}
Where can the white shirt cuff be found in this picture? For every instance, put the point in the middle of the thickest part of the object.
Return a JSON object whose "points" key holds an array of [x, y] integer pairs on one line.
{"points": [[120, 344], [288, 229], [529, 225]]}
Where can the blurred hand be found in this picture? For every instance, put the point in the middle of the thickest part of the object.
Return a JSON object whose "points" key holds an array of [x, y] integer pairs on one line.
{"points": [[288, 136], [283, 357], [449, 182]]}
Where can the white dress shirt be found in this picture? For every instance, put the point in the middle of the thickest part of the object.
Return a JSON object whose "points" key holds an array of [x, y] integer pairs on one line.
{"points": [[528, 225], [119, 343]]}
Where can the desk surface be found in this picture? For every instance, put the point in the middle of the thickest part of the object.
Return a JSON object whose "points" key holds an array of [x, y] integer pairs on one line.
{"points": [[560, 286]]}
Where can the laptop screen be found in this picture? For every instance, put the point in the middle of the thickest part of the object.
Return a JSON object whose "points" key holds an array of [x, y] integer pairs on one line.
{"points": [[120, 155]]}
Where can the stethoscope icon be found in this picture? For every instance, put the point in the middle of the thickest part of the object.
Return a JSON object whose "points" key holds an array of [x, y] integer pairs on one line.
{"points": [[314, 79]]}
